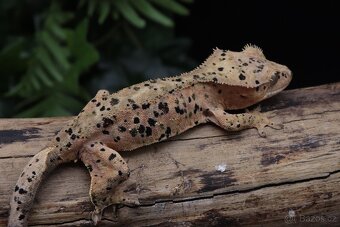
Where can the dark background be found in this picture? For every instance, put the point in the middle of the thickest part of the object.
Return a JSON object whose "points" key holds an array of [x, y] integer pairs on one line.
{"points": [[303, 36]]}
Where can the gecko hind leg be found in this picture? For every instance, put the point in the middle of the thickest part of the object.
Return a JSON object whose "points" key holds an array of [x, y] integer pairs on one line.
{"points": [[108, 171], [237, 122]]}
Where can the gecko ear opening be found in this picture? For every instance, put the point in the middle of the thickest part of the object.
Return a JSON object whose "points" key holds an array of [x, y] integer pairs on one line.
{"points": [[253, 50]]}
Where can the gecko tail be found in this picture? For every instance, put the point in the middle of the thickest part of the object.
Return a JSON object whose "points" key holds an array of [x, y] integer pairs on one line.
{"points": [[28, 183]]}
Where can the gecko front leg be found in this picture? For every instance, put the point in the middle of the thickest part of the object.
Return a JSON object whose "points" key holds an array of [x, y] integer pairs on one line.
{"points": [[108, 170], [237, 122]]}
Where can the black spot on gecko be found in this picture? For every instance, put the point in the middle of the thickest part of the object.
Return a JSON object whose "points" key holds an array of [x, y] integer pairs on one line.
{"points": [[133, 132], [220, 69], [145, 106], [98, 104], [105, 132], [155, 113], [242, 77], [69, 131], [189, 99], [107, 122], [179, 110], [193, 96], [114, 101], [168, 131], [22, 216], [73, 137], [120, 173], [93, 100], [29, 179], [152, 122], [257, 82], [148, 131], [196, 108], [102, 149], [136, 88], [102, 108], [121, 129], [69, 144], [16, 188], [163, 107], [135, 106], [136, 120], [57, 139], [141, 129], [112, 156], [89, 167], [22, 191]]}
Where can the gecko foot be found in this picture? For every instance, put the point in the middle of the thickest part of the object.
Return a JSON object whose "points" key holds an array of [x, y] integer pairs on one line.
{"points": [[125, 194], [260, 121]]}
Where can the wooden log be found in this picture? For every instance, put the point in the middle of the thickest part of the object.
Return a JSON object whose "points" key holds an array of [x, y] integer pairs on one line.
{"points": [[205, 176]]}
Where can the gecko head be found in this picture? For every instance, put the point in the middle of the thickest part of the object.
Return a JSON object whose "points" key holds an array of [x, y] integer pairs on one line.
{"points": [[248, 68], [267, 76]]}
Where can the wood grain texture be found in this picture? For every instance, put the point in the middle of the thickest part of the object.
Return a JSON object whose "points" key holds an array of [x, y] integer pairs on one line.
{"points": [[290, 176]]}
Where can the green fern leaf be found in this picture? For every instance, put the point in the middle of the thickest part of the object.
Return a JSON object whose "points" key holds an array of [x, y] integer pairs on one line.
{"points": [[172, 6], [44, 58], [151, 12], [124, 7], [55, 49], [104, 11], [92, 7], [42, 76]]}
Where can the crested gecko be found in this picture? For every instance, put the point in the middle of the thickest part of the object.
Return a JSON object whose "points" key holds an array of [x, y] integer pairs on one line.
{"points": [[150, 112]]}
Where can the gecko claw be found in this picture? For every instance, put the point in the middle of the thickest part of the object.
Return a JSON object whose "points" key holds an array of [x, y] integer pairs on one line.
{"points": [[96, 216]]}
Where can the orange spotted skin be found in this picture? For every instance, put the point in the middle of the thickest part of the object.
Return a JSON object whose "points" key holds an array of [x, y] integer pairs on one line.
{"points": [[150, 112]]}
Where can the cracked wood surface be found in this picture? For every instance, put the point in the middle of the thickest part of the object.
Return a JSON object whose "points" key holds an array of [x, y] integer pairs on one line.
{"points": [[294, 171]]}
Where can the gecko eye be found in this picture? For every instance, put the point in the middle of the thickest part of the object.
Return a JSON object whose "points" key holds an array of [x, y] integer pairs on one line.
{"points": [[274, 78]]}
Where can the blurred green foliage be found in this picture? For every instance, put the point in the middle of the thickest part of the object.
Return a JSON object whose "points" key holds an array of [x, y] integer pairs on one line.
{"points": [[55, 55]]}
